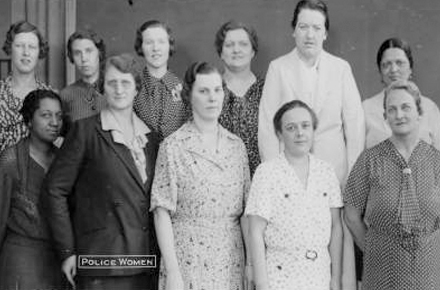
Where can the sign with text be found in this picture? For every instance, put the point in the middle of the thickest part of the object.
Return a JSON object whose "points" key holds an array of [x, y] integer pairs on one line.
{"points": [[116, 261]]}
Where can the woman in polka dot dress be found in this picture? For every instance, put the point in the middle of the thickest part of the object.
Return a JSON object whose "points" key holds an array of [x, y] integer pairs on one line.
{"points": [[395, 184], [294, 211]]}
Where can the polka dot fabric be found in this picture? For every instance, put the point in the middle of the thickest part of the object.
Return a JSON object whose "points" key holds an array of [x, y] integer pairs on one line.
{"points": [[298, 222], [374, 188]]}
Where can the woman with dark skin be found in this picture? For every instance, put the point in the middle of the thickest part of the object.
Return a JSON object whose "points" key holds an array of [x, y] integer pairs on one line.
{"points": [[27, 257]]}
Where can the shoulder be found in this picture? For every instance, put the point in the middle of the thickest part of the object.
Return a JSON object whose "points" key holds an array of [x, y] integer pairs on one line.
{"points": [[8, 159], [283, 60], [428, 104], [334, 60], [68, 92], [374, 102]]}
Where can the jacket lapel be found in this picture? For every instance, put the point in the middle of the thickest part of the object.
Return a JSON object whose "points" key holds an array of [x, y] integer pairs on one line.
{"points": [[323, 85], [122, 153]]}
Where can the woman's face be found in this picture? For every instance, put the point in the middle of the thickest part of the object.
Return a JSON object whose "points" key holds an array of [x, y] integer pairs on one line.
{"points": [[401, 112], [237, 51], [297, 131], [156, 47], [394, 66], [24, 52], [310, 33], [47, 120], [207, 96], [86, 57], [119, 88]]}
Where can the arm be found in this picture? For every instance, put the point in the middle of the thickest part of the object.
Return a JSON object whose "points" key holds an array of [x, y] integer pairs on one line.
{"points": [[257, 225], [58, 186], [335, 249], [352, 117], [355, 224], [165, 239], [6, 188], [268, 144], [433, 114]]}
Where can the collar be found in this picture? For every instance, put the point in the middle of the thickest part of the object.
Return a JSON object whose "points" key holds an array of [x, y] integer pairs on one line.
{"points": [[109, 123], [315, 66]]}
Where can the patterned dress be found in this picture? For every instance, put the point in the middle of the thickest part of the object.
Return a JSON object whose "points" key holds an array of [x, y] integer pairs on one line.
{"points": [[205, 193], [401, 202], [240, 116], [299, 222], [160, 105], [12, 127]]}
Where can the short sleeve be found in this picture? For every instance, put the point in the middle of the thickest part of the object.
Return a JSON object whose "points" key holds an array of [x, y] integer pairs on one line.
{"points": [[164, 189], [259, 201], [334, 189], [358, 184]]}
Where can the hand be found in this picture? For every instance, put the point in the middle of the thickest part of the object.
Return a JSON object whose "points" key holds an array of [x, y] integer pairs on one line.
{"points": [[248, 278], [69, 269], [174, 281]]}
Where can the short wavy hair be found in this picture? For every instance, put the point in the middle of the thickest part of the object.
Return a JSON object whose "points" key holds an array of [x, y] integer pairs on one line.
{"points": [[317, 5], [24, 27], [234, 25], [151, 24], [197, 68], [126, 63], [32, 101], [408, 86], [290, 106], [90, 35]]}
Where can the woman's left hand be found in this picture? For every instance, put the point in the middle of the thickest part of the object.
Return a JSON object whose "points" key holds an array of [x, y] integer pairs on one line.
{"points": [[248, 278]]}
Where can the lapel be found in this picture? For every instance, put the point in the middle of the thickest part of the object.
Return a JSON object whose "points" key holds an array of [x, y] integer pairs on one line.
{"points": [[323, 83], [122, 152], [321, 91]]}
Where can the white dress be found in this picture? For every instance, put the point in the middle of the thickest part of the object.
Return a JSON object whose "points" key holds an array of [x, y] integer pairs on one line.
{"points": [[299, 222]]}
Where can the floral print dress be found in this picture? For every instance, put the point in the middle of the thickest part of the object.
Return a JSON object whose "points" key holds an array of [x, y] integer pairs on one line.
{"points": [[12, 126], [205, 193]]}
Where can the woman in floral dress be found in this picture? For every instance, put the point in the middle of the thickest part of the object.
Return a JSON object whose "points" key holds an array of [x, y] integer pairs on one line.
{"points": [[294, 211], [199, 192], [25, 45], [237, 44]]}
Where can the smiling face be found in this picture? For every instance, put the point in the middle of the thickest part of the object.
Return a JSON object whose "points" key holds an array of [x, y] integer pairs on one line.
{"points": [[297, 131], [86, 58], [395, 66], [156, 47], [120, 89], [401, 112], [237, 51], [207, 96], [47, 121], [24, 52], [310, 33]]}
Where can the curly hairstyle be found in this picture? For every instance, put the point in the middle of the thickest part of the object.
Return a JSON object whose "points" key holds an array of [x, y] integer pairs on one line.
{"points": [[151, 24], [23, 27]]}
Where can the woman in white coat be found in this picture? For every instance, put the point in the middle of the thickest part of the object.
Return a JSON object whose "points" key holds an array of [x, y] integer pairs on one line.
{"points": [[326, 83]]}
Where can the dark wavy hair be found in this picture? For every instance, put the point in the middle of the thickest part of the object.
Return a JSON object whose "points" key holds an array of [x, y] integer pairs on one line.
{"points": [[23, 27], [90, 35], [193, 70], [32, 101], [394, 43], [126, 63], [150, 24], [289, 106], [234, 25], [317, 5]]}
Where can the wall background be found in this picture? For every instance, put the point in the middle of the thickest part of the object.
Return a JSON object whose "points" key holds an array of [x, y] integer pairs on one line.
{"points": [[357, 28]]}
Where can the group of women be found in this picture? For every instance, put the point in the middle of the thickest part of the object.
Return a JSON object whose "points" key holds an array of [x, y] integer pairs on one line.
{"points": [[248, 184]]}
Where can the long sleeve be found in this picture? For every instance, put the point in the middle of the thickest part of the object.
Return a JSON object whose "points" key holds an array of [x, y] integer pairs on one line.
{"points": [[6, 188], [352, 118], [268, 143], [58, 187], [433, 115]]}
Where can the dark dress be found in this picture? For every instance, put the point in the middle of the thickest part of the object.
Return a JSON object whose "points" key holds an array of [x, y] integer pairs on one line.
{"points": [[27, 258], [401, 202], [240, 116], [159, 103]]}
